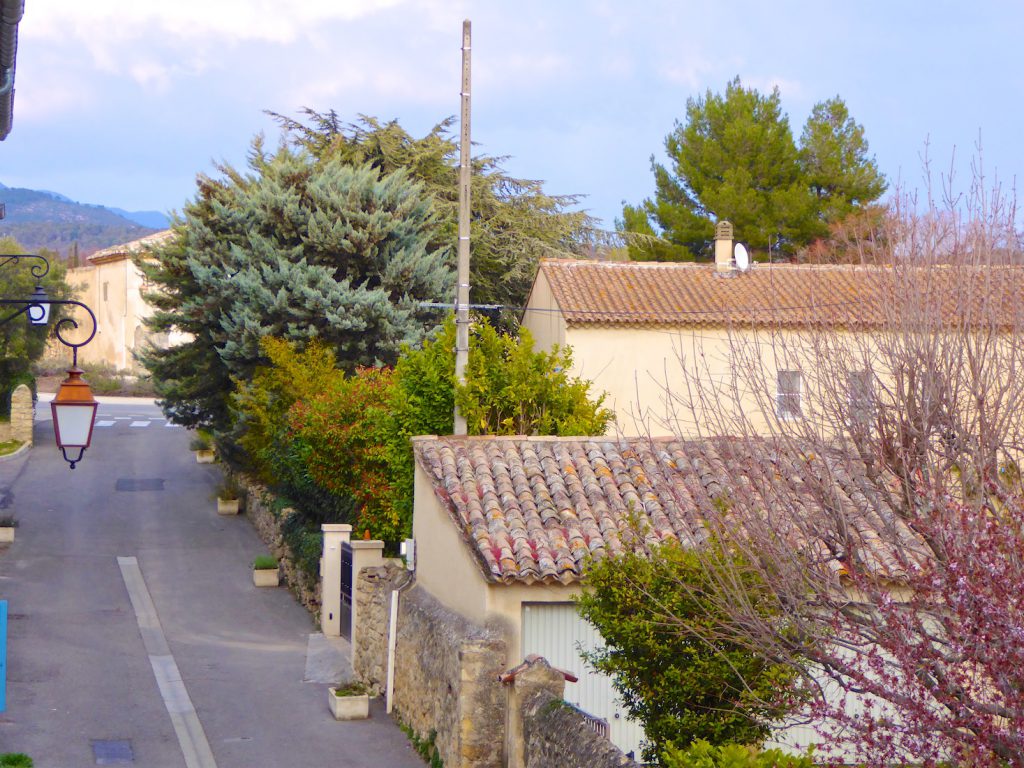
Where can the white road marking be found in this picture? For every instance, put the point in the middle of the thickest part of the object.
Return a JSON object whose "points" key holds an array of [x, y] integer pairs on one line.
{"points": [[139, 424], [169, 424], [191, 736], [105, 423]]}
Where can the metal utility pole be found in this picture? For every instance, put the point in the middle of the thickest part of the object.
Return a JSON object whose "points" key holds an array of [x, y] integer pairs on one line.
{"points": [[462, 288]]}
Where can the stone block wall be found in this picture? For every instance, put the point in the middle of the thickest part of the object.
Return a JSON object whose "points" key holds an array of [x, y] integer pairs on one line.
{"points": [[446, 669], [21, 414], [554, 733], [259, 507]]}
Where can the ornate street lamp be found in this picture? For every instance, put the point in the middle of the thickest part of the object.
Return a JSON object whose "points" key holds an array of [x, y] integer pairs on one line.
{"points": [[74, 407]]}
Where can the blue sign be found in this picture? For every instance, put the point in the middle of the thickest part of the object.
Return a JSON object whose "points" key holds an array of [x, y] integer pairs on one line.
{"points": [[3, 655]]}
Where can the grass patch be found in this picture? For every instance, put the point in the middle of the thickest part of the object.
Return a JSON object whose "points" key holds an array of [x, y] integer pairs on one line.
{"points": [[6, 448], [265, 563], [15, 760], [425, 748], [351, 689]]}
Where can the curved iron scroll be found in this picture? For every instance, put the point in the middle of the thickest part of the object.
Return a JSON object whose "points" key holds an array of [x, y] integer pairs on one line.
{"points": [[39, 271], [63, 323]]}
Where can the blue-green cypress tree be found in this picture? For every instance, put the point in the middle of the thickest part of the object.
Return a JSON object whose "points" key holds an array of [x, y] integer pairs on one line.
{"points": [[297, 248]]}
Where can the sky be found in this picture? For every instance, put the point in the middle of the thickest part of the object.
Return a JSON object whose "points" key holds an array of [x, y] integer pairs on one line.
{"points": [[123, 102]]}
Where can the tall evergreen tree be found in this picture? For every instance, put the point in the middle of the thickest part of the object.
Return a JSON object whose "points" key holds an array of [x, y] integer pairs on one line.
{"points": [[514, 222], [834, 159], [298, 249], [735, 159]]}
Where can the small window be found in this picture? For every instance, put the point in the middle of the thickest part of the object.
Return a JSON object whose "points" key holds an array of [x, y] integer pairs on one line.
{"points": [[787, 399], [861, 391]]}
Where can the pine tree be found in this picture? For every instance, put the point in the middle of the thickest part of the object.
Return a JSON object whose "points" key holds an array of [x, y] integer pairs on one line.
{"points": [[515, 222], [835, 162], [297, 249], [734, 158]]}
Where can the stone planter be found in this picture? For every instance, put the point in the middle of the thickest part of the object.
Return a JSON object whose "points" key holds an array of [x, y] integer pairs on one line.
{"points": [[266, 577], [205, 456], [6, 534], [227, 506], [348, 707]]}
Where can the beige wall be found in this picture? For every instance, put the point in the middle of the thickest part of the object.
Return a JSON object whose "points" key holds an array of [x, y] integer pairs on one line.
{"points": [[112, 289], [645, 371], [542, 316], [444, 567]]}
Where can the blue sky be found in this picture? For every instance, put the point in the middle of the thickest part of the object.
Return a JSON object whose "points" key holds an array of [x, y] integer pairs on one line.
{"points": [[123, 102]]}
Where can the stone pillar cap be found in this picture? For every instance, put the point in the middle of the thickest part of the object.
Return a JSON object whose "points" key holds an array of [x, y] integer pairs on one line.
{"points": [[367, 544], [336, 528]]}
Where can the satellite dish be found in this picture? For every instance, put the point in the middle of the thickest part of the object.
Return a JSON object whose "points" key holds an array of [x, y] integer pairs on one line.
{"points": [[742, 257]]}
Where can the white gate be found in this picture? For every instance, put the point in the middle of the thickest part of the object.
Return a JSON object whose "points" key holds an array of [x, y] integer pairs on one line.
{"points": [[556, 632]]}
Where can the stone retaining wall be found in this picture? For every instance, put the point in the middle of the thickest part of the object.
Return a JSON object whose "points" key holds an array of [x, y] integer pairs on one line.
{"points": [[22, 413], [556, 734], [259, 507], [446, 669]]}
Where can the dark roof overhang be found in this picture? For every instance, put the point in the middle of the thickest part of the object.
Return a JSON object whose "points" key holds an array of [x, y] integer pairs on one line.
{"points": [[11, 12]]}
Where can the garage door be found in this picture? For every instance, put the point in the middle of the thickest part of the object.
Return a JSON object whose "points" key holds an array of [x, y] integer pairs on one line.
{"points": [[556, 632]]}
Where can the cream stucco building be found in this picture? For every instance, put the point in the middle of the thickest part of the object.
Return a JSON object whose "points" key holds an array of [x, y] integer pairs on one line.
{"points": [[669, 343], [112, 286]]}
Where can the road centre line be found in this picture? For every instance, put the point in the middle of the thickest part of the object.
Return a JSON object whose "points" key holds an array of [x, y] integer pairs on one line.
{"points": [[191, 737]]}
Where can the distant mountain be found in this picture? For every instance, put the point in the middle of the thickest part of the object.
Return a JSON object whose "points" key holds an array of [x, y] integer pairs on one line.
{"points": [[39, 219], [153, 219]]}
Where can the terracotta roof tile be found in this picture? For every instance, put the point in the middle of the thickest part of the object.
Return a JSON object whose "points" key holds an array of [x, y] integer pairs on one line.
{"points": [[534, 509], [779, 295]]}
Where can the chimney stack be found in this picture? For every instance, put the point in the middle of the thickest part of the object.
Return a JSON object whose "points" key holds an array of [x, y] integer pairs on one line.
{"points": [[723, 247]]}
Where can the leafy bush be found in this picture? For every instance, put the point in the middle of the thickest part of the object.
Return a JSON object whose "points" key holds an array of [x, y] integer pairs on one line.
{"points": [[510, 389], [15, 760], [701, 754], [265, 563], [339, 446], [304, 541], [345, 429], [655, 616], [261, 405]]}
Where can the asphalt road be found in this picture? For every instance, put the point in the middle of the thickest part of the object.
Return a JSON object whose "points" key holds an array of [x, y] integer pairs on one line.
{"points": [[98, 676]]}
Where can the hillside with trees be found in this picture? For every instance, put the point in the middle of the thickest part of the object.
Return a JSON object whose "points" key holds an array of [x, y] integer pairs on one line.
{"points": [[46, 220]]}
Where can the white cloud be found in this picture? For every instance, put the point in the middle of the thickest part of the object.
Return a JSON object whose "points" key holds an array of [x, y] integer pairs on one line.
{"points": [[689, 74], [789, 89], [229, 21]]}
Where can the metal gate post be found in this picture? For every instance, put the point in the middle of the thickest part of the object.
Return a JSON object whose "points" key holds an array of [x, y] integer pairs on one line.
{"points": [[335, 534]]}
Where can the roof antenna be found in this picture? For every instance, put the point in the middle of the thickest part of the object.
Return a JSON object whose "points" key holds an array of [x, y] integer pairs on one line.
{"points": [[742, 257]]}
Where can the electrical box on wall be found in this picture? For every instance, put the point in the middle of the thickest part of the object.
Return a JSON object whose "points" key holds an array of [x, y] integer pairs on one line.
{"points": [[408, 549]]}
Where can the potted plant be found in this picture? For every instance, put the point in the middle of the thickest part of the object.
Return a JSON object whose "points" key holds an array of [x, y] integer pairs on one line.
{"points": [[7, 525], [349, 701], [202, 445], [228, 502], [265, 572]]}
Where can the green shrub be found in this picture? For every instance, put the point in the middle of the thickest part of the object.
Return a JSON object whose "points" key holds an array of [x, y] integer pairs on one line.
{"points": [[668, 651], [265, 563], [701, 754], [351, 689], [305, 543], [345, 429], [15, 760]]}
